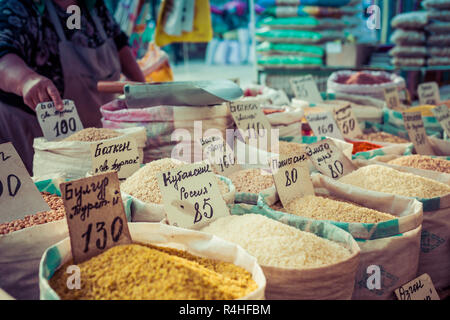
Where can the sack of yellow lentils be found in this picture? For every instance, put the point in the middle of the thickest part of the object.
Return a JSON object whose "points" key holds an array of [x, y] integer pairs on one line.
{"points": [[162, 263]]}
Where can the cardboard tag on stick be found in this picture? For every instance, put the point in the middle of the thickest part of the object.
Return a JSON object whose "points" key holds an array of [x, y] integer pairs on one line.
{"points": [[18, 194], [95, 215], [421, 288], [323, 124], [392, 98], [220, 155], [416, 132], [442, 115], [305, 88], [347, 122], [429, 93]]}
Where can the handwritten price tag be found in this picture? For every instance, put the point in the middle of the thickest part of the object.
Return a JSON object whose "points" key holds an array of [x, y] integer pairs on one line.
{"points": [[347, 122], [252, 122], [18, 194], [58, 124], [291, 176], [429, 93], [95, 215], [323, 124], [191, 196], [305, 88], [416, 132], [329, 159], [392, 98], [220, 155], [443, 116], [118, 154], [421, 288]]}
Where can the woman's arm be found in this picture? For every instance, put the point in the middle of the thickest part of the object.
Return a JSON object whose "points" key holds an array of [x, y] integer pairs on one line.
{"points": [[16, 77], [130, 68]]}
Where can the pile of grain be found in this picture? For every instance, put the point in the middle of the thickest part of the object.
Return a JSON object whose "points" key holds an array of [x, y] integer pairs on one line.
{"points": [[388, 180], [330, 208], [290, 147], [93, 134], [147, 272], [423, 162], [381, 137], [276, 244], [57, 213], [143, 184], [251, 180]]}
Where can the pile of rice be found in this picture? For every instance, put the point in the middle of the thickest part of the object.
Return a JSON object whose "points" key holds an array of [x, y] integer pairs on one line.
{"points": [[93, 134]]}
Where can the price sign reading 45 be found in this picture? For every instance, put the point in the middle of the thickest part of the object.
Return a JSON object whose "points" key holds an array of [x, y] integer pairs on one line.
{"points": [[191, 196], [95, 215], [329, 159], [57, 124]]}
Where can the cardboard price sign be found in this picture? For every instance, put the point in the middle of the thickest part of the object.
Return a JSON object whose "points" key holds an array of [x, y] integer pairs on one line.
{"points": [[118, 154], [416, 132], [305, 88], [291, 176], [429, 93], [18, 194], [57, 124], [392, 98], [421, 288], [323, 124], [442, 115], [220, 155], [95, 215], [191, 196], [251, 121], [329, 159], [347, 122]]}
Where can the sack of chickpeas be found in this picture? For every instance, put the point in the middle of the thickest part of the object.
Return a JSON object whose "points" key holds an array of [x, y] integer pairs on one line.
{"points": [[163, 263], [22, 242], [387, 230], [432, 189], [71, 157], [142, 186]]}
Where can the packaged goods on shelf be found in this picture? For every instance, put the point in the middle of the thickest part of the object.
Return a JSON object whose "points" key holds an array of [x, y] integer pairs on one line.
{"points": [[183, 255], [440, 15], [293, 61], [303, 23], [400, 51], [414, 20], [310, 10], [438, 61], [438, 27], [436, 4], [408, 37], [290, 48], [408, 62], [438, 40], [297, 36], [294, 257]]}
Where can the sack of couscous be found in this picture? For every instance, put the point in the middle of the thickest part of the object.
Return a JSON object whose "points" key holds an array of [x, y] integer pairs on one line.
{"points": [[311, 260], [163, 263], [432, 189], [388, 235], [71, 157], [23, 241]]}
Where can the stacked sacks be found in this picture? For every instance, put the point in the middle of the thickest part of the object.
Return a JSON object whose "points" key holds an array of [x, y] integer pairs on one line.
{"points": [[438, 41], [410, 39]]}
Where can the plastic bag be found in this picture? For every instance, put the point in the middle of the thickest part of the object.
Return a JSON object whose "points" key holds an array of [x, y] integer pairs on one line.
{"points": [[438, 40], [303, 23], [438, 61], [440, 15], [410, 20], [155, 65], [408, 37], [438, 27], [194, 242], [408, 62], [297, 36], [439, 51], [400, 51], [436, 4], [290, 48], [293, 61]]}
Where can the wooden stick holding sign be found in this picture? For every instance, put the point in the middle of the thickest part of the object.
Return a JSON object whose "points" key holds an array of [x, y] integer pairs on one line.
{"points": [[18, 194], [429, 93], [116, 154], [57, 124], [442, 115], [191, 196], [220, 155], [416, 132], [95, 215], [291, 175], [305, 88], [329, 159], [347, 122]]}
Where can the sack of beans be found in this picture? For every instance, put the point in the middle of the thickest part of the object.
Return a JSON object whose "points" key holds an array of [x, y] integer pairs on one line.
{"points": [[301, 261], [71, 157], [387, 229], [161, 121], [163, 263], [23, 241], [369, 83], [142, 186], [432, 189]]}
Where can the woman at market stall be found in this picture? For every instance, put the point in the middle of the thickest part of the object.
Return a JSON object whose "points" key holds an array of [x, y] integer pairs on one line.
{"points": [[41, 59]]}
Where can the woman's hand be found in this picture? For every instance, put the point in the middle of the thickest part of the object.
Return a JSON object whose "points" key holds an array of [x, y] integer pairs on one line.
{"points": [[37, 89]]}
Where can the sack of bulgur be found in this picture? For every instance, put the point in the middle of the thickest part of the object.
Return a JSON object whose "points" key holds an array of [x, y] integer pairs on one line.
{"points": [[387, 230], [207, 267], [22, 242], [301, 262], [432, 189], [71, 157], [142, 186]]}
